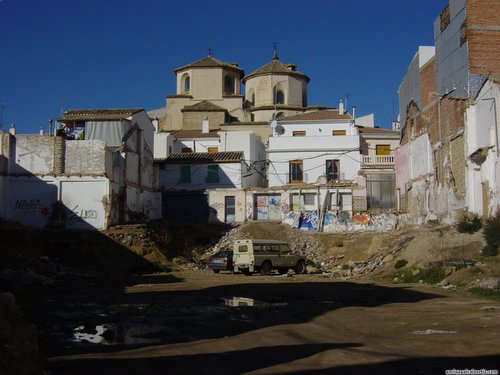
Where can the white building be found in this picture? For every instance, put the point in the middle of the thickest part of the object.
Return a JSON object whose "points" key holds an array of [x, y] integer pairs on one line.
{"points": [[98, 171], [482, 132], [307, 147]]}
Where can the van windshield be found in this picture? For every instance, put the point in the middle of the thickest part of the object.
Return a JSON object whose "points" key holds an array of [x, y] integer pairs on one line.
{"points": [[242, 248]]}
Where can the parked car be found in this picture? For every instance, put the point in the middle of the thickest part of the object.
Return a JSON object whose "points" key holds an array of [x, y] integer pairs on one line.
{"points": [[221, 261], [264, 256]]}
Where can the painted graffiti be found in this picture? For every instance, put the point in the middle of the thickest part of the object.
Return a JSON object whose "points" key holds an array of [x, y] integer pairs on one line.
{"points": [[147, 206], [31, 207], [77, 214], [361, 218]]}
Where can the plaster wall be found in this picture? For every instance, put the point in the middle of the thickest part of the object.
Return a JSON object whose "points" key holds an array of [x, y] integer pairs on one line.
{"points": [[216, 200], [230, 176]]}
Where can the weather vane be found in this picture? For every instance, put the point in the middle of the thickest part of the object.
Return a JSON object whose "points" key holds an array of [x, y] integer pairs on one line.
{"points": [[210, 51]]}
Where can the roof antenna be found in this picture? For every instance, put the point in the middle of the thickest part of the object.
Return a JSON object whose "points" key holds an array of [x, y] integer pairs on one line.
{"points": [[210, 51], [275, 54]]}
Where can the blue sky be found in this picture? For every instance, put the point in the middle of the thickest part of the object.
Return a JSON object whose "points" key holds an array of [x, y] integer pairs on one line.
{"points": [[107, 53]]}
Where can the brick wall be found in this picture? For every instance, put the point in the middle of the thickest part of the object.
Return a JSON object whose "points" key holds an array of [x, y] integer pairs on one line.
{"points": [[483, 36]]}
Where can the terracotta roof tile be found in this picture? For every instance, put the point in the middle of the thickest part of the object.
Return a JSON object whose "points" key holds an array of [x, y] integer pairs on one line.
{"points": [[276, 67], [203, 157], [319, 115], [195, 134], [99, 114], [203, 106], [210, 62]]}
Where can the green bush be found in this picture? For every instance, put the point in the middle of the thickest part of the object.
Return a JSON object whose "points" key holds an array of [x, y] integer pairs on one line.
{"points": [[469, 223], [430, 275], [486, 293], [400, 263], [491, 234]]}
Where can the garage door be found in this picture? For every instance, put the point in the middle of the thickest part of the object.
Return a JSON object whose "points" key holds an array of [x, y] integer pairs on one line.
{"points": [[188, 207]]}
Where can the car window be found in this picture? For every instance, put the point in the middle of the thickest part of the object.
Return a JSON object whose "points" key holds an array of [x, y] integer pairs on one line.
{"points": [[243, 248], [258, 248], [274, 248], [285, 248]]}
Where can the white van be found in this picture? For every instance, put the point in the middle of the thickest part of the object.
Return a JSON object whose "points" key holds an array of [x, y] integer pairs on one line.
{"points": [[264, 256]]}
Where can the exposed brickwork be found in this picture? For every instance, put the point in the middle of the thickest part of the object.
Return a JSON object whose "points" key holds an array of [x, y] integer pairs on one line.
{"points": [[483, 36], [428, 83]]}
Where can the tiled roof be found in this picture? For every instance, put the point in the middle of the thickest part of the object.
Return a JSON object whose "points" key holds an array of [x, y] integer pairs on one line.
{"points": [[369, 130], [195, 134], [276, 67], [99, 114], [203, 106], [203, 157], [210, 62], [319, 115]]}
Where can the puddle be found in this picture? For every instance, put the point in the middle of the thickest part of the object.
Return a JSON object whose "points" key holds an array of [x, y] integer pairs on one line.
{"points": [[113, 334], [432, 332], [245, 301]]}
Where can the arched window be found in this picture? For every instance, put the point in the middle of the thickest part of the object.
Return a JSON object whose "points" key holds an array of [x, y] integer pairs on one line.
{"points": [[228, 85], [186, 84], [279, 96]]}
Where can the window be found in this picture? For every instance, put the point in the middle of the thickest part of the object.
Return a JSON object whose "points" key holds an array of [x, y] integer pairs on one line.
{"points": [[333, 169], [309, 199], [228, 85], [296, 171], [279, 95], [212, 174], [243, 248], [382, 150], [186, 150], [185, 174], [339, 132], [299, 133], [213, 149], [186, 84]]}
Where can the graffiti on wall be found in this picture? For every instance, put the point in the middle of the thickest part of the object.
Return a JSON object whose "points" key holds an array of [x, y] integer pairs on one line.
{"points": [[77, 214], [147, 206], [304, 220], [31, 207]]}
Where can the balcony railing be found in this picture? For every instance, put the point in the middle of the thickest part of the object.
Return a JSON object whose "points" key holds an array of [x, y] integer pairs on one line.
{"points": [[377, 161]]}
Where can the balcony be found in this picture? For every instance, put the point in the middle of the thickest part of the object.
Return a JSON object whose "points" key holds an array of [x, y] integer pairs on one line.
{"points": [[377, 161]]}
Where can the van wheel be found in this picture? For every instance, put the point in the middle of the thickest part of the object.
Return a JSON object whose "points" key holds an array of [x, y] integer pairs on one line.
{"points": [[266, 268], [300, 267], [216, 271], [282, 271]]}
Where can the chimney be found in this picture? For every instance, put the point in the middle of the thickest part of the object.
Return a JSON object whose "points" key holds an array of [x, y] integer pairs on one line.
{"points": [[12, 129], [41, 130], [205, 125], [354, 112], [341, 107]]}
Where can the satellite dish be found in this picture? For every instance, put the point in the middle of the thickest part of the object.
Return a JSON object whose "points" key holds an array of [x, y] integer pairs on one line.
{"points": [[280, 130], [274, 123]]}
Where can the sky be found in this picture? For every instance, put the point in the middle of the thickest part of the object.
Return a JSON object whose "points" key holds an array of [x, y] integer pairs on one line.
{"points": [[58, 55]]}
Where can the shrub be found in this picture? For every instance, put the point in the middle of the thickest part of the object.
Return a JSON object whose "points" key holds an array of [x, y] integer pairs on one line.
{"points": [[400, 263], [430, 275], [469, 223], [491, 234], [486, 293]]}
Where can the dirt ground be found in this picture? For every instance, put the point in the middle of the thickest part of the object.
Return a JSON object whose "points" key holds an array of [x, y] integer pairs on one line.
{"points": [[198, 322], [97, 303]]}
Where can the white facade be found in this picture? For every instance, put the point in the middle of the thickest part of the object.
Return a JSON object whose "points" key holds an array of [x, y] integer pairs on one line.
{"points": [[230, 175], [482, 150], [81, 184], [312, 143]]}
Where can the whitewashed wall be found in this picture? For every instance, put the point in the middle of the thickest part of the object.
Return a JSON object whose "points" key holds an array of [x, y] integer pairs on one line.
{"points": [[230, 176]]}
